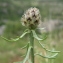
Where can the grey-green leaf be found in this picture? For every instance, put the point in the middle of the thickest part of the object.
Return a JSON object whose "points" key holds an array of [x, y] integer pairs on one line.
{"points": [[16, 38], [25, 46], [23, 34], [35, 35], [41, 28], [47, 49], [50, 57], [27, 56], [53, 56]]}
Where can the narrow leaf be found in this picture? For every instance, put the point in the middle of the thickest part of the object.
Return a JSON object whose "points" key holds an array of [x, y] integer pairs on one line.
{"points": [[27, 56], [16, 38], [47, 49], [41, 28], [23, 34], [54, 55], [50, 57], [35, 35], [25, 46]]}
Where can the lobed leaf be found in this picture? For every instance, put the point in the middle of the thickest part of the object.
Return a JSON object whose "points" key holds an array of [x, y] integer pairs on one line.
{"points": [[35, 35], [27, 56], [50, 57], [16, 38], [47, 49]]}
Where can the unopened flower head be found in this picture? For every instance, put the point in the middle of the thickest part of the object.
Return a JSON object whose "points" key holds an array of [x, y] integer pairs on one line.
{"points": [[31, 18]]}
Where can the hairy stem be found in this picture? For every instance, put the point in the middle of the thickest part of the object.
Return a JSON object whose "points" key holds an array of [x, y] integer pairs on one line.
{"points": [[32, 44]]}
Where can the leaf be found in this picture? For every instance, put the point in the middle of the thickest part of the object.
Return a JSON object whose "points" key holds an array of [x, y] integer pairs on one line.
{"points": [[41, 28], [16, 38], [35, 35], [50, 57], [23, 34], [25, 46], [47, 49], [53, 56], [27, 56]]}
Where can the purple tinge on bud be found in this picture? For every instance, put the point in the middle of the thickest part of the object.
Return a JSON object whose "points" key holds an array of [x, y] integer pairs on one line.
{"points": [[31, 18]]}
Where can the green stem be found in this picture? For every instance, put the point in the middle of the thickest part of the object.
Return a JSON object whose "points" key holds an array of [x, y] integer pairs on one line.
{"points": [[32, 44]]}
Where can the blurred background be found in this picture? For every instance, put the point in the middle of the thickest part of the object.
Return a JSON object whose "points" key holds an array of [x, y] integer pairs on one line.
{"points": [[10, 27]]}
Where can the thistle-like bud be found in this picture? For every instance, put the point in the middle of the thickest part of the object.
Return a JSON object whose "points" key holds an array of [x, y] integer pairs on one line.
{"points": [[31, 18]]}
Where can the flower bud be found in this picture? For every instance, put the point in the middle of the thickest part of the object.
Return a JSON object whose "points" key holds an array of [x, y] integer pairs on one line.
{"points": [[31, 18]]}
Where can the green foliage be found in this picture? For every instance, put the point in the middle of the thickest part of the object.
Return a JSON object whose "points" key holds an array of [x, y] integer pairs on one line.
{"points": [[16, 38], [13, 46], [30, 48]]}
